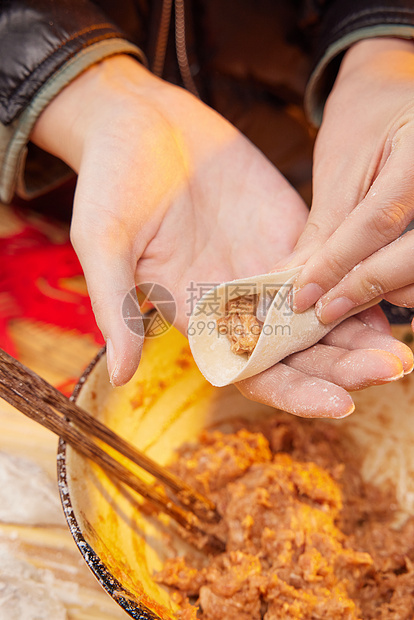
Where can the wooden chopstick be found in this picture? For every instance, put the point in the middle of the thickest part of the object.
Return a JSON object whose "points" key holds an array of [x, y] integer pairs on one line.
{"points": [[40, 401], [194, 501]]}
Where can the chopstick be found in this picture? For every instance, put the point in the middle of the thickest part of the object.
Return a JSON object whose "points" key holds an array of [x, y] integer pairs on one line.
{"points": [[40, 401]]}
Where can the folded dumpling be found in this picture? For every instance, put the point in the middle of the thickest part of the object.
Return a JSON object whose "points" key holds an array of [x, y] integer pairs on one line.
{"points": [[221, 358]]}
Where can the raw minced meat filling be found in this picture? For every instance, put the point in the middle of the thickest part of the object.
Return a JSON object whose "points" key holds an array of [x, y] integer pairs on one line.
{"points": [[240, 324], [306, 538]]}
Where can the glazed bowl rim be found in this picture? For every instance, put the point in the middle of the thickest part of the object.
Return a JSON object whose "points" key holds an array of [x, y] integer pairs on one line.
{"points": [[113, 587]]}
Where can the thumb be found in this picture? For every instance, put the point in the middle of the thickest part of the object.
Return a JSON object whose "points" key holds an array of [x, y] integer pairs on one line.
{"points": [[109, 272], [313, 236], [337, 183]]}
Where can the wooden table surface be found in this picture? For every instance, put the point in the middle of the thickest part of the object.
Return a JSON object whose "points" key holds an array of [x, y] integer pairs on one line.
{"points": [[42, 573], [37, 552]]}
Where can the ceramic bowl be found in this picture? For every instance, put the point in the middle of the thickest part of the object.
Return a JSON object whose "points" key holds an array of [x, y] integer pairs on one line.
{"points": [[168, 402]]}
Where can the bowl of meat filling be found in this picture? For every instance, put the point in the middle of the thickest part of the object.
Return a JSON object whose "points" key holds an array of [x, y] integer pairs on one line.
{"points": [[317, 516]]}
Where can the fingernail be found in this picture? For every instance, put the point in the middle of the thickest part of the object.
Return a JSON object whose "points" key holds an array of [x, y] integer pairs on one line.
{"points": [[111, 361], [396, 377], [409, 370], [347, 413], [334, 309], [304, 298]]}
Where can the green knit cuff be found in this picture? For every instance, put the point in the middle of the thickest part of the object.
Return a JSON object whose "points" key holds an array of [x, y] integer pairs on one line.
{"points": [[31, 173], [323, 77]]}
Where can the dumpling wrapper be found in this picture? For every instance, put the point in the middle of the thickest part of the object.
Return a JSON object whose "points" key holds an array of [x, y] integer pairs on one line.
{"points": [[283, 331]]}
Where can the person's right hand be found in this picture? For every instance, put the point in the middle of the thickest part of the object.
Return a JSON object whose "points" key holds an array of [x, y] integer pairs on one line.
{"points": [[169, 192]]}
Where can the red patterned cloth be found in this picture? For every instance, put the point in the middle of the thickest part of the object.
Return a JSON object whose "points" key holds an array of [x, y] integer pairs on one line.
{"points": [[34, 262]]}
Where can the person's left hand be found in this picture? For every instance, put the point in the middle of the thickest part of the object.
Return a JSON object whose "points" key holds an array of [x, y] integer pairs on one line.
{"points": [[170, 193], [363, 186]]}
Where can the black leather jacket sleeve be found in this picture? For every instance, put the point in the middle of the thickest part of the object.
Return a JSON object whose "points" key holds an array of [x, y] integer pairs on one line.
{"points": [[36, 38], [44, 44], [343, 17]]}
